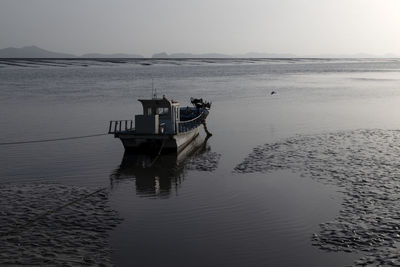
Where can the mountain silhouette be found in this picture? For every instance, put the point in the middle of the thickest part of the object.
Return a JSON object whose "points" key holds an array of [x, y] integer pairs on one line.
{"points": [[37, 52], [31, 52], [116, 55]]}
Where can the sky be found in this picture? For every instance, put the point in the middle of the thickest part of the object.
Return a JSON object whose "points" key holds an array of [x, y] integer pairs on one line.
{"points": [[301, 27]]}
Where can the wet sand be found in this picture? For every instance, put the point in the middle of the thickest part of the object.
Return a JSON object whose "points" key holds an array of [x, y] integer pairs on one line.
{"points": [[365, 165], [55, 225]]}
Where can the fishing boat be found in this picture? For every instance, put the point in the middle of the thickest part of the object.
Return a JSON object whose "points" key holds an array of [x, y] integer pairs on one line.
{"points": [[163, 126]]}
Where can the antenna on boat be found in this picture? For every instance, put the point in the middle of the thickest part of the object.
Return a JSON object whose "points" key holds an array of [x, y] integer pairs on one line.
{"points": [[152, 87], [153, 90]]}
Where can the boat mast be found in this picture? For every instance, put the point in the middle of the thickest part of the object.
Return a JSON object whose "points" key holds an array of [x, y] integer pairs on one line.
{"points": [[153, 90], [152, 87]]}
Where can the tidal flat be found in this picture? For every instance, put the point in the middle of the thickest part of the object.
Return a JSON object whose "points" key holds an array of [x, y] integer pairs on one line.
{"points": [[50, 224], [306, 176], [365, 165]]}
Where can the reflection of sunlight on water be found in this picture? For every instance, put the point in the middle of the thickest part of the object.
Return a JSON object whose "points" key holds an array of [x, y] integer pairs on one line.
{"points": [[157, 175], [366, 164]]}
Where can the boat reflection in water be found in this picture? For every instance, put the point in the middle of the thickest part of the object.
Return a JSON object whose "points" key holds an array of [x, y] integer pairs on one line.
{"points": [[159, 175]]}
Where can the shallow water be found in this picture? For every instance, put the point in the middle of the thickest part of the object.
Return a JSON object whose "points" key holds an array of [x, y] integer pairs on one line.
{"points": [[198, 210], [364, 164]]}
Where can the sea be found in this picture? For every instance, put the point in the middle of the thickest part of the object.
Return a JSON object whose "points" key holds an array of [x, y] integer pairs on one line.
{"points": [[302, 168]]}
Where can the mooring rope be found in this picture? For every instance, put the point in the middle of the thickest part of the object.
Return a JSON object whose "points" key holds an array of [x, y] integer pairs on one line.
{"points": [[158, 155], [50, 140], [209, 134]]}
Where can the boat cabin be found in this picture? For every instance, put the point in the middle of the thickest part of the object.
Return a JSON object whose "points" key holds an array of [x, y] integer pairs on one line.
{"points": [[160, 116]]}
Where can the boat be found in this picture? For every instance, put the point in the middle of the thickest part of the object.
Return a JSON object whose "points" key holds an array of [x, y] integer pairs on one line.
{"points": [[163, 126]]}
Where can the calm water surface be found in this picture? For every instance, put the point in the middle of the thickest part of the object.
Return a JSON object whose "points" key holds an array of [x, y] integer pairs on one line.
{"points": [[194, 210]]}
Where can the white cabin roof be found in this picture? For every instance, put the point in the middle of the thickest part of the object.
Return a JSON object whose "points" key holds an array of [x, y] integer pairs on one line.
{"points": [[158, 102]]}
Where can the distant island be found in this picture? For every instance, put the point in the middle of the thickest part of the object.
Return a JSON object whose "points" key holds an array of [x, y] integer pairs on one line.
{"points": [[116, 55], [217, 55], [36, 52], [31, 52], [268, 55]]}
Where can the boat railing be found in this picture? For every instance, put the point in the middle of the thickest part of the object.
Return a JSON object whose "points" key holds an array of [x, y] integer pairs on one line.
{"points": [[185, 126], [120, 126]]}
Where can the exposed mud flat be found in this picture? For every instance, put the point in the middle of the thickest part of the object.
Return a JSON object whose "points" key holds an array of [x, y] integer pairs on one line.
{"points": [[204, 162], [366, 165], [55, 225]]}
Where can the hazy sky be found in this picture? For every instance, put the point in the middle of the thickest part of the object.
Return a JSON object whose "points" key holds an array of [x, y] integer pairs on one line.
{"points": [[302, 27]]}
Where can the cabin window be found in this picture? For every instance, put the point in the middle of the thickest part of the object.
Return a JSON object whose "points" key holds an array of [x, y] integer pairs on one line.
{"points": [[149, 111], [163, 111]]}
